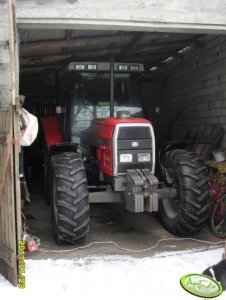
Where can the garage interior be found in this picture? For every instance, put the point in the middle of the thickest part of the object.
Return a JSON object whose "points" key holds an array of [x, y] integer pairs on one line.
{"points": [[184, 86]]}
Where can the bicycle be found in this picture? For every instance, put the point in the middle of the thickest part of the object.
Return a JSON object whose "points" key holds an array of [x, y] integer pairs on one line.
{"points": [[218, 210]]}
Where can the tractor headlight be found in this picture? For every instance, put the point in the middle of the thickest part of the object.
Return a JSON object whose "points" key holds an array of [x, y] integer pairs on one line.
{"points": [[79, 67], [144, 157], [125, 157], [92, 67], [122, 67]]}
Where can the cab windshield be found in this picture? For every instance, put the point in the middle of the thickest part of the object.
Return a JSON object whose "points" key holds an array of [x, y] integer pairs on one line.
{"points": [[91, 99]]}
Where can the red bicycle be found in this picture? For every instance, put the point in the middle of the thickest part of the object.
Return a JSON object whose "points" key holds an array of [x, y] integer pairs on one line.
{"points": [[218, 210]]}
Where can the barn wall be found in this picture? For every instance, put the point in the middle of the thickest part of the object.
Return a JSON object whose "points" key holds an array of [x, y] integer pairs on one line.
{"points": [[191, 92]]}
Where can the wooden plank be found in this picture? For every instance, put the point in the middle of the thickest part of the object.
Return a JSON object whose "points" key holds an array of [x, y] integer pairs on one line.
{"points": [[7, 255], [17, 147], [49, 59], [3, 178], [165, 45], [157, 36], [38, 64], [75, 43], [9, 228], [150, 58]]}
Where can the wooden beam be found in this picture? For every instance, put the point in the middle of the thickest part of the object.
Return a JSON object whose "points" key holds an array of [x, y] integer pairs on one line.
{"points": [[195, 42], [150, 57], [179, 44], [149, 54], [129, 47], [68, 35], [6, 141], [144, 55], [75, 43], [152, 37], [163, 46], [49, 59], [28, 67]]}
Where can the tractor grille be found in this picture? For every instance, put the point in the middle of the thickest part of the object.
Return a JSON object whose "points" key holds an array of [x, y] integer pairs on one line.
{"points": [[133, 140], [131, 133]]}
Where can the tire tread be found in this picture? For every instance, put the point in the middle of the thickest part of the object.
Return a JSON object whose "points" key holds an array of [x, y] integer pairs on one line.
{"points": [[71, 198]]}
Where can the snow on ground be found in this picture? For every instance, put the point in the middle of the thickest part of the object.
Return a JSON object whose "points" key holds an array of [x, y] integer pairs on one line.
{"points": [[111, 277]]}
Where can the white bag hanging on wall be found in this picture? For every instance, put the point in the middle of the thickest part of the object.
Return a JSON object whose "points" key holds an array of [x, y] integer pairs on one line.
{"points": [[29, 128]]}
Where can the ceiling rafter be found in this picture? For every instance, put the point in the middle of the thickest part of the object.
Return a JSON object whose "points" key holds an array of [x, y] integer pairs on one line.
{"points": [[74, 43], [129, 47], [68, 36], [48, 59]]}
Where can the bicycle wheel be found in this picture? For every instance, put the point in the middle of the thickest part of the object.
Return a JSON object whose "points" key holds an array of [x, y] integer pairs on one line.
{"points": [[218, 219]]}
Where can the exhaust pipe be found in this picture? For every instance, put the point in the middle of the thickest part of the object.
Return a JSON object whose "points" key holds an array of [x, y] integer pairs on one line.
{"points": [[112, 89]]}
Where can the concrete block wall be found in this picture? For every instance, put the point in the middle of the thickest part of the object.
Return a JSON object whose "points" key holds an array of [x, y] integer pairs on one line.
{"points": [[191, 92]]}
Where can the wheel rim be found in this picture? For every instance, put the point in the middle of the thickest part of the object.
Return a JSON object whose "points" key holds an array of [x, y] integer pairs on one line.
{"points": [[171, 207], [219, 220]]}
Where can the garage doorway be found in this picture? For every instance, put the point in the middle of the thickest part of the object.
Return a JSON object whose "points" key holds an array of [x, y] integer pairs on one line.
{"points": [[43, 54], [44, 51]]}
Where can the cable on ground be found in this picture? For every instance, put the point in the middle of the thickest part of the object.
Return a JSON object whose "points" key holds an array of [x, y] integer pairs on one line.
{"points": [[126, 249]]}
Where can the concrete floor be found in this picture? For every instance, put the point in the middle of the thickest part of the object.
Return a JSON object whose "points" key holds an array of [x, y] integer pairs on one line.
{"points": [[109, 222]]}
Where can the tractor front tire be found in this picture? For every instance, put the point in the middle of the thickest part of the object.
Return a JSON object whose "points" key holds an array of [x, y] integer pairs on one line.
{"points": [[69, 198], [187, 213]]}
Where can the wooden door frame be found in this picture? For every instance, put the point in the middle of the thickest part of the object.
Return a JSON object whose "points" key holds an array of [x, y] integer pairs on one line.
{"points": [[10, 209]]}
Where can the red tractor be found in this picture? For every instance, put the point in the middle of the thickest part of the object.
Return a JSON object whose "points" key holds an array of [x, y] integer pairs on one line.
{"points": [[100, 148]]}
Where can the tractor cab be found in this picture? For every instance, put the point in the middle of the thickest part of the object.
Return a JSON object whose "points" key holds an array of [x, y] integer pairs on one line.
{"points": [[86, 96]]}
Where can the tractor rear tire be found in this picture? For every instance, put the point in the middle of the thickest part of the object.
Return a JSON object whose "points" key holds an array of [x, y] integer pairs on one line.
{"points": [[69, 198], [189, 212]]}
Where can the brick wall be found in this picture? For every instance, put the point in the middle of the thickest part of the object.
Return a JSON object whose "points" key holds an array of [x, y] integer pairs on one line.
{"points": [[191, 91]]}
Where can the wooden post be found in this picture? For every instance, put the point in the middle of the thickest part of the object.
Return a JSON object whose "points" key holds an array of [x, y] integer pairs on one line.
{"points": [[9, 203]]}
